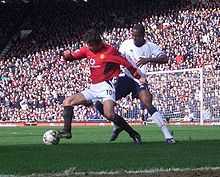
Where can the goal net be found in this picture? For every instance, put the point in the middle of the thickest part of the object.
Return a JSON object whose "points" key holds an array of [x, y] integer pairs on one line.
{"points": [[188, 94]]}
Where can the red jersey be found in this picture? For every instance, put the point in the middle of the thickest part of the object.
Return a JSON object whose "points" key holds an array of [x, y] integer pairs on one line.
{"points": [[105, 63]]}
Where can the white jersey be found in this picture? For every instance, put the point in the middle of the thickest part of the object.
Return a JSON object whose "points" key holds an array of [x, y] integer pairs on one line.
{"points": [[129, 50]]}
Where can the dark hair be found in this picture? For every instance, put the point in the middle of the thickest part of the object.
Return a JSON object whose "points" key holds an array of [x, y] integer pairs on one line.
{"points": [[92, 36], [139, 28]]}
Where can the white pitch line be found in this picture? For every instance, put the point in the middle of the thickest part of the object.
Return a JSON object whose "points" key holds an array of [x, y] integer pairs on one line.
{"points": [[72, 171]]}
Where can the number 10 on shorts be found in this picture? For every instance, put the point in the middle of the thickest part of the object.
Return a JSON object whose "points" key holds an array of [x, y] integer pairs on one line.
{"points": [[109, 92]]}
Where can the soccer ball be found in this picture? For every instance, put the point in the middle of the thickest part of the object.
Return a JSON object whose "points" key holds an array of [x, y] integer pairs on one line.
{"points": [[51, 137]]}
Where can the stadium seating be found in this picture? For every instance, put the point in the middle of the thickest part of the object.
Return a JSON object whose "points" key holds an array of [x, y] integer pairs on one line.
{"points": [[35, 79]]}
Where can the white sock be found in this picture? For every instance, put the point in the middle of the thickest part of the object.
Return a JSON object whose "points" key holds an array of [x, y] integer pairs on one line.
{"points": [[157, 118]]}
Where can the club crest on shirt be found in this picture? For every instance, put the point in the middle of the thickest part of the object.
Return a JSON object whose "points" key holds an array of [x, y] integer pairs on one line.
{"points": [[102, 56]]}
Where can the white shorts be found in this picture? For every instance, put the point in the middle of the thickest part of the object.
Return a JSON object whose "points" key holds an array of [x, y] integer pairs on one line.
{"points": [[102, 91]]}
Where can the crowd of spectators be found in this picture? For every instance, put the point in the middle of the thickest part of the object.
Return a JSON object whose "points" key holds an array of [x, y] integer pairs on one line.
{"points": [[34, 79]]}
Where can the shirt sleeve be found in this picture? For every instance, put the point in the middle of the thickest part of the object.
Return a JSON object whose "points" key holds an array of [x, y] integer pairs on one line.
{"points": [[120, 60], [79, 54], [122, 49], [155, 49]]}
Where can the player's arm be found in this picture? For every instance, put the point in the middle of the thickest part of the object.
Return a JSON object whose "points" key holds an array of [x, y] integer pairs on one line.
{"points": [[120, 60], [157, 56], [74, 55], [161, 59]]}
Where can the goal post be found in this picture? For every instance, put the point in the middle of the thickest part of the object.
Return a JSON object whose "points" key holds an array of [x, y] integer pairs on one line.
{"points": [[186, 94], [201, 96]]}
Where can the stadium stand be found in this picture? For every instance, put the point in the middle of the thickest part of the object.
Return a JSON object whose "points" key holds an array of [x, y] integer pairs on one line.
{"points": [[34, 79]]}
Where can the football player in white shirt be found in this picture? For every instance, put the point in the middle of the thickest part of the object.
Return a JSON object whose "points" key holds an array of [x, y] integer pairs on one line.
{"points": [[140, 52]]}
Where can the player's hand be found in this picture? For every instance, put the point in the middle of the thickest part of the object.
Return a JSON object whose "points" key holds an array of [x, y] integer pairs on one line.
{"points": [[142, 61], [143, 80], [67, 55]]}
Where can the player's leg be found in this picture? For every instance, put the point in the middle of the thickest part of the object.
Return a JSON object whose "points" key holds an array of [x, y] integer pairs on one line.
{"points": [[68, 103], [119, 125], [120, 92], [124, 86], [142, 114], [122, 89], [117, 129], [108, 111], [146, 97]]}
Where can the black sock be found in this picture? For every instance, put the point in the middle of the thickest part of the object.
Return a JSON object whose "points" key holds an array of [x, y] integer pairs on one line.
{"points": [[143, 117], [118, 120], [121, 122], [68, 116]]}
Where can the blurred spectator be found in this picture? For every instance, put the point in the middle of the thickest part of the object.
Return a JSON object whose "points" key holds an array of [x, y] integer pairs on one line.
{"points": [[34, 79]]}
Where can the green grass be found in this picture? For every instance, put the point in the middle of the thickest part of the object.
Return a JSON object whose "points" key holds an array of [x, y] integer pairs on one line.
{"points": [[22, 151]]}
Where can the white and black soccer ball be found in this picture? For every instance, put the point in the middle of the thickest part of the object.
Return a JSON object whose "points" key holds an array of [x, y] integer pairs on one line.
{"points": [[50, 137]]}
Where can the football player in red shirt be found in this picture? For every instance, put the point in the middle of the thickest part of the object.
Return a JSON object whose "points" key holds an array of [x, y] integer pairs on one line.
{"points": [[104, 63]]}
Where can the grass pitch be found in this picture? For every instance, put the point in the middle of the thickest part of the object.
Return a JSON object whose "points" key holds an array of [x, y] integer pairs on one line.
{"points": [[22, 151]]}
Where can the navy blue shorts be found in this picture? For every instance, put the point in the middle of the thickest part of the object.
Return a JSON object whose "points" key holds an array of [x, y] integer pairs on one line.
{"points": [[125, 85]]}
